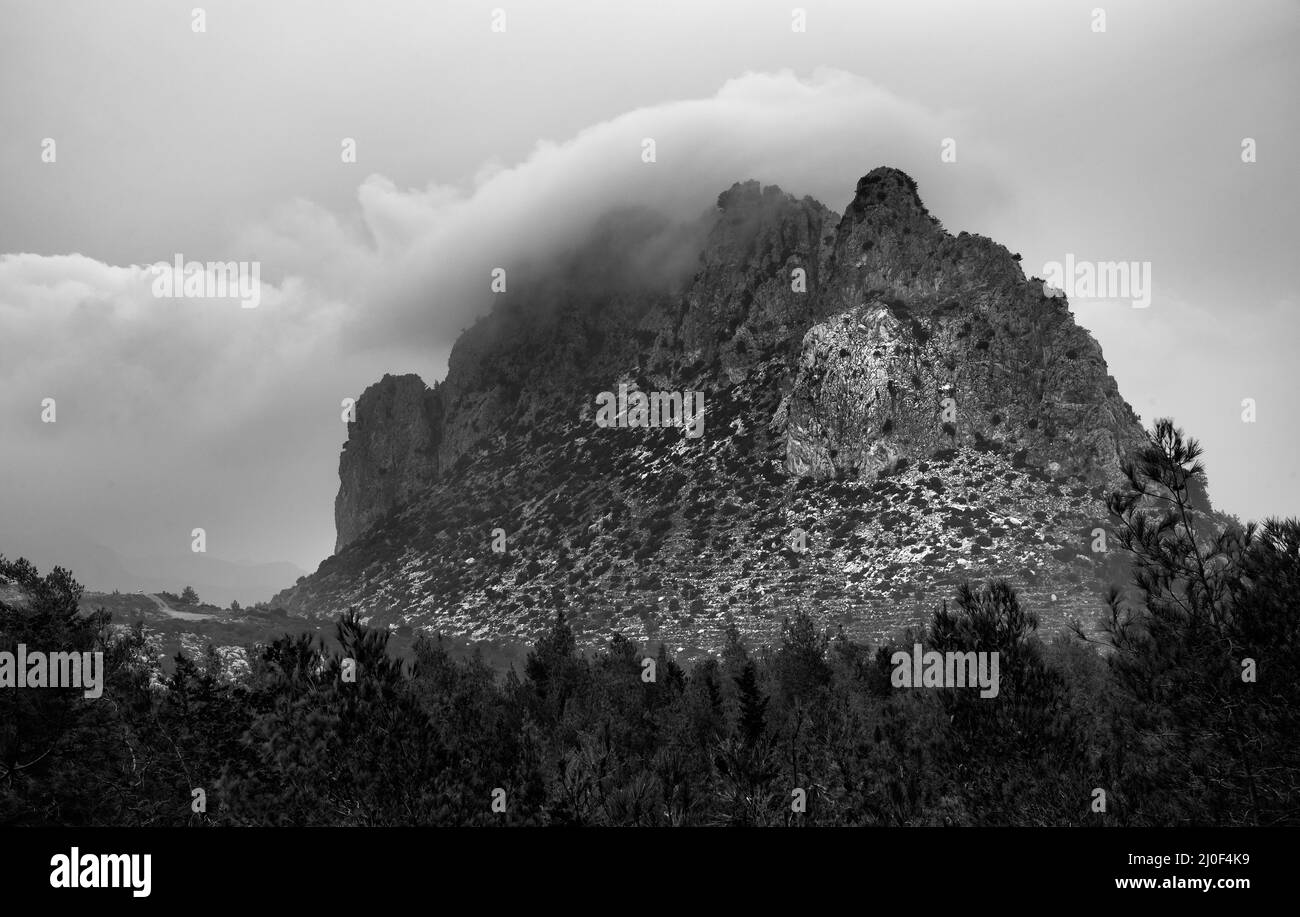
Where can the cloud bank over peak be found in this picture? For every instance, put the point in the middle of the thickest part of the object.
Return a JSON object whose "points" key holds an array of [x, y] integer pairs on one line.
{"points": [[430, 251], [176, 413]]}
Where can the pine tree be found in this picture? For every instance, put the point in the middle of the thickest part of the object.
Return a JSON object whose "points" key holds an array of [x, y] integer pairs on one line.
{"points": [[753, 705], [1199, 742]]}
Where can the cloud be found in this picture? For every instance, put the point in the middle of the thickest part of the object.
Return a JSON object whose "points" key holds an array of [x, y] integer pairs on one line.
{"points": [[173, 413], [813, 136]]}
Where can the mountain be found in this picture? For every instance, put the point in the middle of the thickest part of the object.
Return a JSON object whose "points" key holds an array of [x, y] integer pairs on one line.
{"points": [[888, 410], [100, 568], [216, 580]]}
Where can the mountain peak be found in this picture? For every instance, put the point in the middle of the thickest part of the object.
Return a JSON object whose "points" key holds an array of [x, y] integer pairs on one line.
{"points": [[747, 195], [886, 188]]}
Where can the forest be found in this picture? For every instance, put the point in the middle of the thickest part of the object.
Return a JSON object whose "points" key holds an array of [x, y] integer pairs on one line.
{"points": [[1178, 708]]}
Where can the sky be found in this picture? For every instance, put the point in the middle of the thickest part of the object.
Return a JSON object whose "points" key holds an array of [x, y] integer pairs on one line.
{"points": [[478, 147]]}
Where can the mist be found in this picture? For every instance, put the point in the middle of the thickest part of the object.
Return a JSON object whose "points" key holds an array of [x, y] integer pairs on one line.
{"points": [[183, 413]]}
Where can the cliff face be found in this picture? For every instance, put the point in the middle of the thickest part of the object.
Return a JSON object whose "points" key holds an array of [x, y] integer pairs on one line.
{"points": [[391, 456], [828, 347], [932, 341]]}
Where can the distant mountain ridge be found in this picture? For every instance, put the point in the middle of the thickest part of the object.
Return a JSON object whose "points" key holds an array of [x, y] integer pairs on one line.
{"points": [[100, 568], [903, 403]]}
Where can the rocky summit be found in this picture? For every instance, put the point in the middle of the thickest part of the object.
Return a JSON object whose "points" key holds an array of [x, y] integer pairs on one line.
{"points": [[886, 410]]}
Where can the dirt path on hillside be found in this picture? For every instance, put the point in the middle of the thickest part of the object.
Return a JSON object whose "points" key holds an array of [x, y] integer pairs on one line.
{"points": [[173, 613]]}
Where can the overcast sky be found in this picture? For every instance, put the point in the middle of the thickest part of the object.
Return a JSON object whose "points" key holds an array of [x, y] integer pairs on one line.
{"points": [[477, 148]]}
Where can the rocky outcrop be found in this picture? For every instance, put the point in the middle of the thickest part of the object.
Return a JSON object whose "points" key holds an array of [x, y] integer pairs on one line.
{"points": [[900, 337], [879, 382], [742, 305], [391, 455]]}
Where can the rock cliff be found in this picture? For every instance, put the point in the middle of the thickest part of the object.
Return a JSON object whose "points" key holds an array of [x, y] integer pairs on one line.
{"points": [[391, 455]]}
